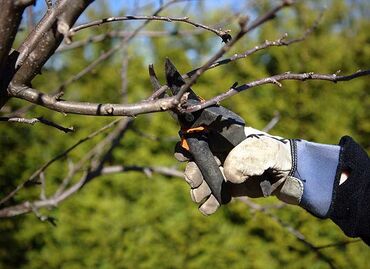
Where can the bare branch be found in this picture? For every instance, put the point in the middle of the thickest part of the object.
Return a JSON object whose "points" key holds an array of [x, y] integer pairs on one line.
{"points": [[276, 43], [10, 18], [223, 34], [42, 27], [27, 206], [338, 244], [37, 173], [290, 229], [148, 170], [36, 51], [113, 50], [43, 187], [37, 120], [124, 78], [275, 80], [272, 122], [95, 109], [245, 28], [163, 104]]}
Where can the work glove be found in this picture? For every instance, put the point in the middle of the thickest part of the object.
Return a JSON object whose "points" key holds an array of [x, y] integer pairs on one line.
{"points": [[295, 171]]}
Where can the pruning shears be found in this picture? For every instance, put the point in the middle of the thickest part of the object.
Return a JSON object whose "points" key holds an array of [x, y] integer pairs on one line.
{"points": [[211, 131]]}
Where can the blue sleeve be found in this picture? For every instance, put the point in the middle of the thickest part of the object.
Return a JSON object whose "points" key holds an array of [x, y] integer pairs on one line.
{"points": [[319, 167], [316, 166]]}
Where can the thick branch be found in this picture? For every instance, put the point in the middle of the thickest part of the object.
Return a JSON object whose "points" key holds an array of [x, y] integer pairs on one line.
{"points": [[275, 80], [10, 18], [95, 109], [44, 40], [41, 28]]}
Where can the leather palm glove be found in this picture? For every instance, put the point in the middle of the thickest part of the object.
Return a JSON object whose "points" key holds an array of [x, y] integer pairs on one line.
{"points": [[295, 171]]}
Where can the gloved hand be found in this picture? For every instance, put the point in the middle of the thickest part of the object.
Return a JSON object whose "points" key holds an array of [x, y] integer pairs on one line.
{"points": [[295, 171]]}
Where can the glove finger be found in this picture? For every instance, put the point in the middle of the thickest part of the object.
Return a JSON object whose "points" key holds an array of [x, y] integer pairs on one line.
{"points": [[200, 193], [193, 176], [252, 157], [209, 206], [181, 154]]}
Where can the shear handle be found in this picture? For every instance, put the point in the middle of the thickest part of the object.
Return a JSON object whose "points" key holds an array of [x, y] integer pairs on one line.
{"points": [[207, 164]]}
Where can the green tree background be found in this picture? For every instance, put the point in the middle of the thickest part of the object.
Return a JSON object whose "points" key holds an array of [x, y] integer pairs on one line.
{"points": [[131, 221]]}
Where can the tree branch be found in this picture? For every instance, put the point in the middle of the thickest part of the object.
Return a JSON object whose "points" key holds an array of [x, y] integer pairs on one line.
{"points": [[271, 124], [37, 173], [244, 28], [37, 120], [34, 52], [275, 80], [42, 27], [113, 50], [290, 229], [53, 201], [223, 34], [276, 43], [10, 18], [148, 170], [95, 109]]}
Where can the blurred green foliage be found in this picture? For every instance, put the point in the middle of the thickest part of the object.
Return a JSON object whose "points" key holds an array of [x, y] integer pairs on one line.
{"points": [[132, 221]]}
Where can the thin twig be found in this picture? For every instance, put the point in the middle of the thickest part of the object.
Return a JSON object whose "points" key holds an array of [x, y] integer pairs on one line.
{"points": [[124, 78], [148, 170], [43, 186], [104, 56], [297, 234], [71, 172], [37, 120], [244, 29], [338, 244], [27, 206], [223, 34], [276, 43], [272, 123], [57, 157]]}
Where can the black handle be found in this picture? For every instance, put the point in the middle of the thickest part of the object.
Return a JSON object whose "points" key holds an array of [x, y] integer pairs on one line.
{"points": [[207, 164]]}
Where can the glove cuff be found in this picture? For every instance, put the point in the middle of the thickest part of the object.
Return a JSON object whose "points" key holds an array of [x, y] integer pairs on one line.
{"points": [[315, 165]]}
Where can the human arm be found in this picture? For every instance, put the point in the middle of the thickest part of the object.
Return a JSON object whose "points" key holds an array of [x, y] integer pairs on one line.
{"points": [[297, 172]]}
